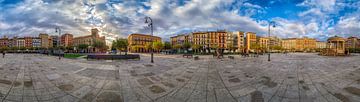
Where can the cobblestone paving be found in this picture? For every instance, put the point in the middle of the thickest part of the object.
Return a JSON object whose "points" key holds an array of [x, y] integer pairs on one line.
{"points": [[287, 78]]}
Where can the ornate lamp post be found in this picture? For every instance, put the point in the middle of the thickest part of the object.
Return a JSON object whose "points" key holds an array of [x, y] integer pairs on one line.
{"points": [[150, 24], [271, 23], [57, 29]]}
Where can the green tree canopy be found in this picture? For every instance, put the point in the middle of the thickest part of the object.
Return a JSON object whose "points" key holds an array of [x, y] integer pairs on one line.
{"points": [[83, 46], [196, 47], [120, 44], [158, 45], [99, 44], [186, 45], [4, 48], [167, 45], [69, 48], [275, 47], [148, 46], [214, 46], [178, 46], [254, 46]]}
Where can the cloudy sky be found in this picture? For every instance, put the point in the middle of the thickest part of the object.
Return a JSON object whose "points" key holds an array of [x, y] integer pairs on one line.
{"points": [[119, 18]]}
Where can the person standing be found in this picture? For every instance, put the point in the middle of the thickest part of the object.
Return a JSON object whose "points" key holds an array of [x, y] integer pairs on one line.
{"points": [[218, 53], [3, 54]]}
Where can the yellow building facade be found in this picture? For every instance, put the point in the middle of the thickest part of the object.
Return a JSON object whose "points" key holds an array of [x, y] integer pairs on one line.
{"points": [[263, 41], [250, 40], [138, 42], [299, 44], [289, 44]]}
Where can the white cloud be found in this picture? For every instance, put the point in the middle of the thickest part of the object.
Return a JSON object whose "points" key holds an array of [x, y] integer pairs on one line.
{"points": [[312, 11], [347, 27], [324, 5]]}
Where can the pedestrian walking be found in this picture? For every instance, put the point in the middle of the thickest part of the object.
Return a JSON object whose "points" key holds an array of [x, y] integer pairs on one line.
{"points": [[3, 54]]}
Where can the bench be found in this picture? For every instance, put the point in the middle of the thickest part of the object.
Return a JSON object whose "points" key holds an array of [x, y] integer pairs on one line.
{"points": [[187, 55]]}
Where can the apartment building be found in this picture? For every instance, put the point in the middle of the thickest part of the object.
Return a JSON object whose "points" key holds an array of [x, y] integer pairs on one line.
{"points": [[138, 42]]}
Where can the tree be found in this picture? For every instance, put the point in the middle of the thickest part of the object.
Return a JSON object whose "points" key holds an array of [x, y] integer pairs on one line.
{"points": [[121, 45], [178, 46], [148, 46], [22, 48], [14, 48], [69, 48], [196, 47], [135, 47], [167, 45], [276, 47], [158, 46], [36, 48], [99, 45], [255, 46], [83, 46], [186, 46], [4, 48]]}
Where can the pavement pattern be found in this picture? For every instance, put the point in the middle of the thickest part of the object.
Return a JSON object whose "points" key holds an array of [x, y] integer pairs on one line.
{"points": [[295, 77]]}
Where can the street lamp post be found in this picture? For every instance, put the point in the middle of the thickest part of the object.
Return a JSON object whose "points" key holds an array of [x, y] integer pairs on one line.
{"points": [[271, 23], [57, 29], [150, 24]]}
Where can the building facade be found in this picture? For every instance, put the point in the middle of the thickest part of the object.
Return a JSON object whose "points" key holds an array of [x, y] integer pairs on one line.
{"points": [[200, 38], [4, 42], [289, 44], [20, 42], [217, 39], [28, 42], [305, 44], [181, 39], [55, 41], [235, 40], [67, 40], [352, 42], [274, 41], [44, 40], [13, 42], [240, 41], [138, 42], [90, 39], [299, 44], [36, 42], [262, 41], [250, 41], [212, 40], [320, 45]]}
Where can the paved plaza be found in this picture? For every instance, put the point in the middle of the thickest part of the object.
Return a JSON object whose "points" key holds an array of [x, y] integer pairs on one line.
{"points": [[296, 77]]}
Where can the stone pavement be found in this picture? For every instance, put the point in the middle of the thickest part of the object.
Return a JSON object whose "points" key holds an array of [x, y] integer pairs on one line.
{"points": [[294, 77]]}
